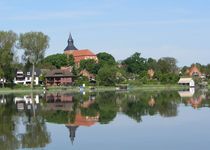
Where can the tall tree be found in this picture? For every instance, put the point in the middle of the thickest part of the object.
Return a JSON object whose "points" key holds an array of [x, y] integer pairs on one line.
{"points": [[105, 59], [7, 43], [107, 75], [135, 63], [167, 65], [34, 45]]}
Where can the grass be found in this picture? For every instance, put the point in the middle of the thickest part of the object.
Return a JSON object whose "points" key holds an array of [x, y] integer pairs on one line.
{"points": [[147, 87]]}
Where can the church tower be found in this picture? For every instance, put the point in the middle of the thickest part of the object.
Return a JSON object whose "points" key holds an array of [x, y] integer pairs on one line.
{"points": [[70, 45]]}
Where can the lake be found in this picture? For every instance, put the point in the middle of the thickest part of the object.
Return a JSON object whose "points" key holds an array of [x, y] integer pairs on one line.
{"points": [[149, 120]]}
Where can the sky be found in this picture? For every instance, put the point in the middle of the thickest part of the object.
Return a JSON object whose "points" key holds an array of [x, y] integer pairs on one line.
{"points": [[155, 28]]}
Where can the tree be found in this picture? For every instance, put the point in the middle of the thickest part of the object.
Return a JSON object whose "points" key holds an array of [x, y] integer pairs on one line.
{"points": [[105, 59], [152, 64], [59, 60], [7, 43], [135, 63], [107, 75], [90, 65], [34, 45], [167, 65]]}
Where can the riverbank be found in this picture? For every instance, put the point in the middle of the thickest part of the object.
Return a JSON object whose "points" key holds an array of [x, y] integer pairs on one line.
{"points": [[89, 89]]}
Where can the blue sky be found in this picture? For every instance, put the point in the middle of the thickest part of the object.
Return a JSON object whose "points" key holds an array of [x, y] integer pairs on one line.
{"points": [[155, 28]]}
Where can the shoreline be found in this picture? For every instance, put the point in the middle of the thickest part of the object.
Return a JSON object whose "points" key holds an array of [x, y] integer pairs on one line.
{"points": [[97, 89]]}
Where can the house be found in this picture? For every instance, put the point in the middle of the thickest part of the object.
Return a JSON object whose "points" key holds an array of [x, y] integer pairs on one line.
{"points": [[26, 78], [26, 102], [87, 74], [194, 72], [57, 97], [59, 102], [59, 77], [186, 81], [187, 93], [78, 54], [151, 73]]}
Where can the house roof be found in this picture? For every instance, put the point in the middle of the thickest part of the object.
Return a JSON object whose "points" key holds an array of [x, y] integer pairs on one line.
{"points": [[79, 53], [193, 70], [37, 74], [84, 121], [185, 80], [59, 73]]}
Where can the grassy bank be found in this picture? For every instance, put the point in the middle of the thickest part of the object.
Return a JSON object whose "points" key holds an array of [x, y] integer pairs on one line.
{"points": [[87, 89]]}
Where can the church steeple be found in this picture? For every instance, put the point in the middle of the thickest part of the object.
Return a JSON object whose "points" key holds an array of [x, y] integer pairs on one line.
{"points": [[72, 130], [70, 40], [70, 45]]}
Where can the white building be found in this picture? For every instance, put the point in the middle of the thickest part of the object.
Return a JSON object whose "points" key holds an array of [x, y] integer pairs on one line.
{"points": [[188, 93], [187, 81], [26, 78], [26, 102]]}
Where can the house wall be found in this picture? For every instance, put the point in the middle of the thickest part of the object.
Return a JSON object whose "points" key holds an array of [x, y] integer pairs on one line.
{"points": [[192, 83], [27, 80], [62, 81]]}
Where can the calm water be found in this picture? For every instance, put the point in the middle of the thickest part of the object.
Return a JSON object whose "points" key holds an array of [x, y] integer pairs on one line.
{"points": [[166, 120]]}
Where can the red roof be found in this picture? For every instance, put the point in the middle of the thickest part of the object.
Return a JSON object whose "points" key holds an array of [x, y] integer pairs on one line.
{"points": [[84, 52], [84, 120], [81, 54]]}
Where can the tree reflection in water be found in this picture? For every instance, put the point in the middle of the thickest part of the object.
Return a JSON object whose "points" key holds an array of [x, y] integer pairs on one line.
{"points": [[36, 135], [75, 110]]}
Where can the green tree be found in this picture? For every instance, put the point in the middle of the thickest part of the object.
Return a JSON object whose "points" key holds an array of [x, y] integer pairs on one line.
{"points": [[105, 59], [90, 65], [107, 75], [34, 45], [167, 65], [135, 63], [59, 60], [152, 64], [7, 43]]}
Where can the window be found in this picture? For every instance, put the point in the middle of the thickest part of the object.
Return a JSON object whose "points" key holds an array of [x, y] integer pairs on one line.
{"points": [[28, 73]]}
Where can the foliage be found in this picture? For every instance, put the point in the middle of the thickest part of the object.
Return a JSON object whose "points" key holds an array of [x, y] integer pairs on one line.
{"points": [[105, 59], [135, 63], [107, 76], [59, 60], [81, 80], [167, 65], [34, 45], [90, 65], [7, 43]]}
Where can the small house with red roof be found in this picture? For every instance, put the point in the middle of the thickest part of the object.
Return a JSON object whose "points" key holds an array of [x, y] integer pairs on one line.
{"points": [[194, 72]]}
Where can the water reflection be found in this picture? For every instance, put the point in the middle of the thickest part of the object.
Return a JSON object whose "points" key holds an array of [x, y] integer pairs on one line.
{"points": [[197, 99], [23, 118]]}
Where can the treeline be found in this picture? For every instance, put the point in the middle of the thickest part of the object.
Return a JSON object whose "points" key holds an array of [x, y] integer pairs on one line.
{"points": [[134, 69]]}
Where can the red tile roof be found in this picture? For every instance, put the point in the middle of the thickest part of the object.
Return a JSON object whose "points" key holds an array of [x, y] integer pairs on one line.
{"points": [[84, 52], [81, 54]]}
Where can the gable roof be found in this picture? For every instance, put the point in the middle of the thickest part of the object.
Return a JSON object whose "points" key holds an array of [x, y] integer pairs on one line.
{"points": [[185, 80], [59, 73], [79, 53]]}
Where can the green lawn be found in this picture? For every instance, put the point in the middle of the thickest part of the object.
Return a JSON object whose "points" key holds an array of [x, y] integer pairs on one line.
{"points": [[87, 89]]}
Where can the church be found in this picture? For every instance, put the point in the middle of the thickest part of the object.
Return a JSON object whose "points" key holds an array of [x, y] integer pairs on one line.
{"points": [[78, 54]]}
